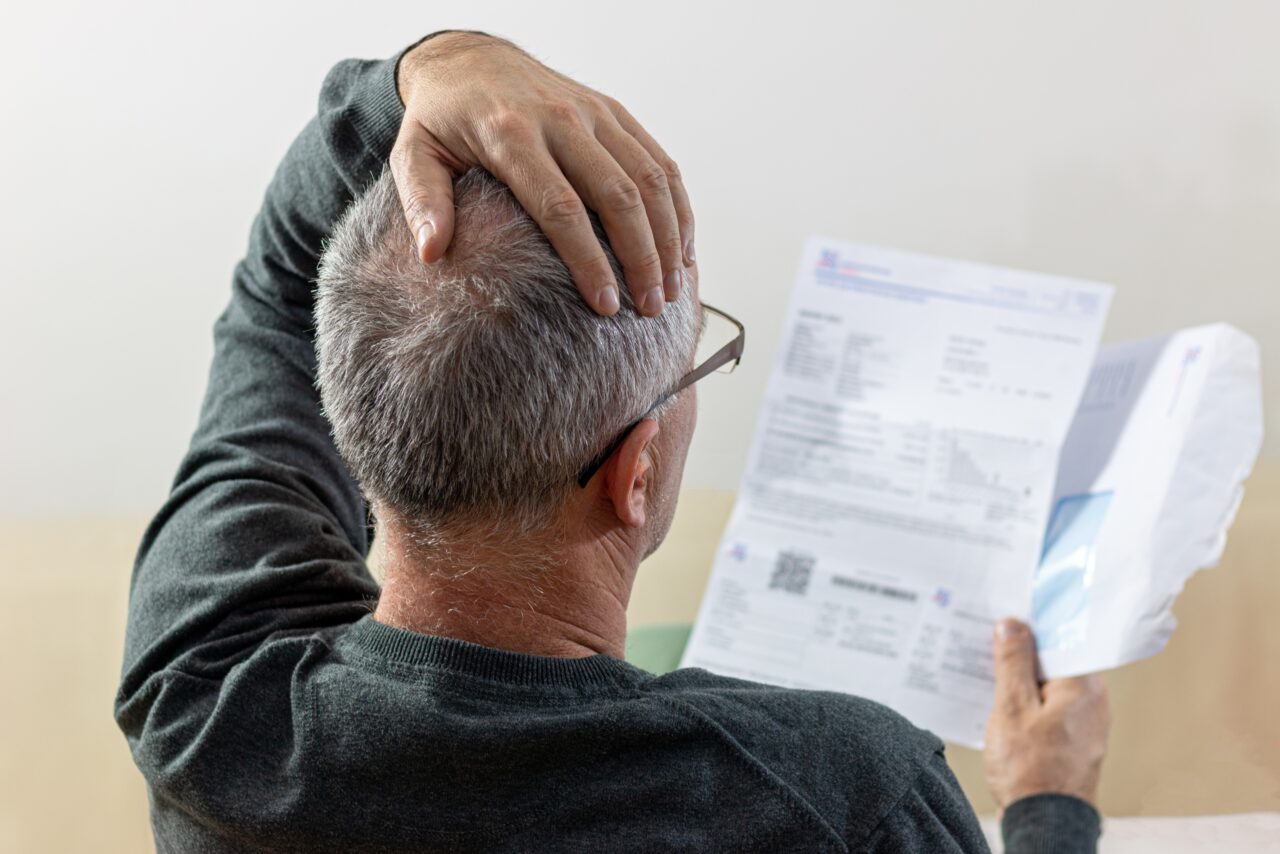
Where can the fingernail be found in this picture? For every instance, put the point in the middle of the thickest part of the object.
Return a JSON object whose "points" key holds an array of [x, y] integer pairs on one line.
{"points": [[688, 251], [672, 284], [652, 302], [607, 300], [1008, 629], [424, 235]]}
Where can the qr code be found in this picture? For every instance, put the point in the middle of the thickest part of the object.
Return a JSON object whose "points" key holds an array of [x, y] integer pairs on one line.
{"points": [[792, 572]]}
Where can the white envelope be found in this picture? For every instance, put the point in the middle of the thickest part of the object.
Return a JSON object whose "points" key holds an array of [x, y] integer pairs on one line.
{"points": [[1149, 480]]}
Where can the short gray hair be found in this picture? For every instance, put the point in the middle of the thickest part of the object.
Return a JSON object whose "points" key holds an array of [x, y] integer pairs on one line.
{"points": [[473, 390]]}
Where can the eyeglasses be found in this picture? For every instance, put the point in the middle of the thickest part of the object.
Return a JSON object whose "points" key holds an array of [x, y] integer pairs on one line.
{"points": [[724, 359]]}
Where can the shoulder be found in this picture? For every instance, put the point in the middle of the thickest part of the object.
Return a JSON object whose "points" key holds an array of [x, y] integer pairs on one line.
{"points": [[823, 719], [851, 758]]}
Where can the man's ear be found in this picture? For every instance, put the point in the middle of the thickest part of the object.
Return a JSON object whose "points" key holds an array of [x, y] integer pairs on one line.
{"points": [[627, 472]]}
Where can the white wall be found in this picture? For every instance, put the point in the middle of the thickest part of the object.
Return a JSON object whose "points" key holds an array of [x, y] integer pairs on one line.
{"points": [[1132, 142]]}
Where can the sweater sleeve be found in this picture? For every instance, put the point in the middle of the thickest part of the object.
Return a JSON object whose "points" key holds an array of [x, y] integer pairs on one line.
{"points": [[264, 531], [934, 815], [1050, 824]]}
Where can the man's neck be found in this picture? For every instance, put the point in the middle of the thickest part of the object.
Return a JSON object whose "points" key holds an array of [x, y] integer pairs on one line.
{"points": [[566, 601]]}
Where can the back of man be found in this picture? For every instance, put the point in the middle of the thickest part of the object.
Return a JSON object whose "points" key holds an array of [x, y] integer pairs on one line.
{"points": [[368, 739], [269, 710], [301, 722]]}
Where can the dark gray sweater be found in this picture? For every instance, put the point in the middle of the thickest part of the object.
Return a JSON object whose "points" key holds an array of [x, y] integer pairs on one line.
{"points": [[268, 711]]}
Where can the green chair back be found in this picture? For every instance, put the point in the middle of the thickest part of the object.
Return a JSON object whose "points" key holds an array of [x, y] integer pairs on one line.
{"points": [[658, 647]]}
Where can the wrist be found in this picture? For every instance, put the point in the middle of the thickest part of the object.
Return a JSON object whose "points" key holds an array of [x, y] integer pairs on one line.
{"points": [[1089, 798], [1060, 785], [422, 58]]}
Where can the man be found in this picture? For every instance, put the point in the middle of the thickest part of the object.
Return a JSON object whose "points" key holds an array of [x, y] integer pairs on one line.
{"points": [[521, 454]]}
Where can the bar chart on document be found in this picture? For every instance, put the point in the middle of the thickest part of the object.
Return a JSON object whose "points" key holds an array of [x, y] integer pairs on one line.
{"points": [[900, 478]]}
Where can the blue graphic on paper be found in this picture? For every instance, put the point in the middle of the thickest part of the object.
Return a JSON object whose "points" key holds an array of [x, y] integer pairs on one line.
{"points": [[1060, 593]]}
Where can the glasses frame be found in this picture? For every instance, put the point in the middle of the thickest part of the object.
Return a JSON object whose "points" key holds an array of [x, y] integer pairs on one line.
{"points": [[731, 352]]}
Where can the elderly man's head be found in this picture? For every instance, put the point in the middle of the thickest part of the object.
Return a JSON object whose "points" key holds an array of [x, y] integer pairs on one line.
{"points": [[467, 395]]}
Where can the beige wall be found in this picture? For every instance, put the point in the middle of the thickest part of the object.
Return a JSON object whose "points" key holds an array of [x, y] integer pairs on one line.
{"points": [[1136, 143]]}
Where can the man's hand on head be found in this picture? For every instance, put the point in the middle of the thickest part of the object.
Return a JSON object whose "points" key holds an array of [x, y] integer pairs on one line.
{"points": [[1042, 737], [475, 100]]}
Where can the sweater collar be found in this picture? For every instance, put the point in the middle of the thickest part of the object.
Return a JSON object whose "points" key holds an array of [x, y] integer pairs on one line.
{"points": [[496, 665]]}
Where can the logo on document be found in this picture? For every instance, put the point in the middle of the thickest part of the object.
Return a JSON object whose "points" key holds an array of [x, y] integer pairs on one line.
{"points": [[942, 597], [829, 259], [738, 552]]}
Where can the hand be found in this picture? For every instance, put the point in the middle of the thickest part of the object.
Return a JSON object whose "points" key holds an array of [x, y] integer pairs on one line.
{"points": [[1042, 738], [474, 100]]}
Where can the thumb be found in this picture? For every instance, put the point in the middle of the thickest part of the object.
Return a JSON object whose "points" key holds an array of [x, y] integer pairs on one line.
{"points": [[1014, 651], [425, 184]]}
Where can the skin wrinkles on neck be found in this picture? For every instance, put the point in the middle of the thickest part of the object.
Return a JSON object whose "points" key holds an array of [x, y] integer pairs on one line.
{"points": [[570, 604]]}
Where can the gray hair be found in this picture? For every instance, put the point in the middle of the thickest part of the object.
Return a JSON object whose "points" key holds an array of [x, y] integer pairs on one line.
{"points": [[473, 390]]}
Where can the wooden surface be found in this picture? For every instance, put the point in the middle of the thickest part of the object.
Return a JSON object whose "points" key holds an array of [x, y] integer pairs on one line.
{"points": [[1195, 728]]}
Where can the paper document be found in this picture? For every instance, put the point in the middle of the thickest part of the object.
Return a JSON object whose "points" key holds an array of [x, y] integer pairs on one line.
{"points": [[900, 480], [942, 445]]}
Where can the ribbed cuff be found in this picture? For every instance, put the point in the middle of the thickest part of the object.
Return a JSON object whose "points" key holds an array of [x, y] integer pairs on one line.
{"points": [[1050, 824], [378, 111]]}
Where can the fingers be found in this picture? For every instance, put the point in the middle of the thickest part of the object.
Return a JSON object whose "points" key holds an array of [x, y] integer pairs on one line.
{"points": [[659, 206], [560, 149], [623, 206], [425, 185], [1014, 651], [675, 183], [525, 165]]}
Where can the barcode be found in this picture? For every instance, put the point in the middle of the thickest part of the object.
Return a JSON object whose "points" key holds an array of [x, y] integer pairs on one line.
{"points": [[792, 572]]}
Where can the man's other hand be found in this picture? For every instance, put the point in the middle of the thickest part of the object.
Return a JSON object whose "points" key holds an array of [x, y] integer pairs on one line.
{"points": [[1042, 737], [474, 100]]}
